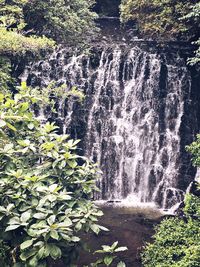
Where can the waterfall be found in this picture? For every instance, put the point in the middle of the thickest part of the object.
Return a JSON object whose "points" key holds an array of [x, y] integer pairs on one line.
{"points": [[131, 119]]}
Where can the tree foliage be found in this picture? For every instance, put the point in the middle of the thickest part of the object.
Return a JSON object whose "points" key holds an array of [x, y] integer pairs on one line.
{"points": [[12, 43], [194, 16], [176, 242], [5, 78], [63, 20], [11, 14], [12, 37], [45, 187], [21, 21], [194, 149], [159, 18]]}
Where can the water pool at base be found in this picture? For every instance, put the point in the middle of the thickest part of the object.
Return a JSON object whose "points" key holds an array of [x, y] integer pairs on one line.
{"points": [[131, 226]]}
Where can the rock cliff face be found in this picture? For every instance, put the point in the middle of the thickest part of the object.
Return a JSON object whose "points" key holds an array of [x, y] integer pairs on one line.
{"points": [[140, 110]]}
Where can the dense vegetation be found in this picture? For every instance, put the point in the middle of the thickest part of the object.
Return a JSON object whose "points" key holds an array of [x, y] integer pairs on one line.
{"points": [[176, 242], [62, 20], [165, 20], [159, 18], [44, 190], [12, 36], [45, 187], [66, 21]]}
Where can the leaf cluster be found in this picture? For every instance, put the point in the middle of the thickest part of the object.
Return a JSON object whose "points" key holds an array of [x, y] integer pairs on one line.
{"points": [[109, 255], [159, 18], [194, 149], [177, 241], [63, 20], [45, 187]]}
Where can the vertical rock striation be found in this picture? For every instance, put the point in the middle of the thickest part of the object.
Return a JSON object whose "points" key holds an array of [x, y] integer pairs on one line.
{"points": [[135, 121]]}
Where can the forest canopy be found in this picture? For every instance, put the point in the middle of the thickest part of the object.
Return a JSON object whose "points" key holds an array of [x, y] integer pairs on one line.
{"points": [[31, 25], [161, 18]]}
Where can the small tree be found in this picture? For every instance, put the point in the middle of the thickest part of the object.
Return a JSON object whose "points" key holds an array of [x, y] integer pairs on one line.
{"points": [[45, 187]]}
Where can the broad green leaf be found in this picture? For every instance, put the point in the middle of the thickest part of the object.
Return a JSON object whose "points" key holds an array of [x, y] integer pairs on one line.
{"points": [[106, 248], [66, 223], [66, 237], [103, 228], [108, 260], [33, 262], [55, 252], [14, 220], [26, 216], [26, 244], [39, 244], [40, 215], [10, 126], [95, 228], [27, 254], [51, 219], [54, 234], [75, 239], [41, 252], [24, 106], [114, 245], [72, 163], [12, 227], [78, 226], [121, 249]]}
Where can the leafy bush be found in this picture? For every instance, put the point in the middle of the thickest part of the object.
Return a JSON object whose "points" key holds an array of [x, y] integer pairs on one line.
{"points": [[12, 43], [192, 206], [176, 242], [23, 21], [194, 149], [109, 252], [159, 18], [5, 70], [63, 20], [45, 188]]}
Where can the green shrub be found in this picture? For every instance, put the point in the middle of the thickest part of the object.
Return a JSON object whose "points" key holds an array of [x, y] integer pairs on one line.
{"points": [[156, 18], [45, 187], [177, 241]]}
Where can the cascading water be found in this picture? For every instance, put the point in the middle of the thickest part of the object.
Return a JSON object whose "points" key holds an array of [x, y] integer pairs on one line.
{"points": [[131, 119]]}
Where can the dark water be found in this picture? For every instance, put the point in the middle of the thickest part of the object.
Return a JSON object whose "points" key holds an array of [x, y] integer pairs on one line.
{"points": [[132, 227]]}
